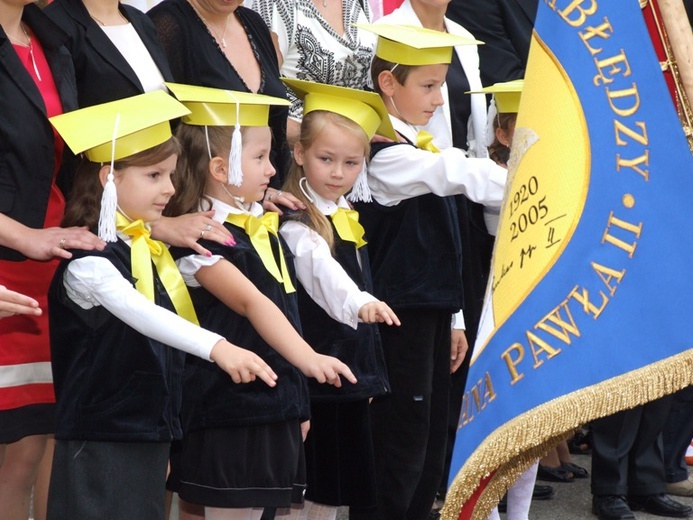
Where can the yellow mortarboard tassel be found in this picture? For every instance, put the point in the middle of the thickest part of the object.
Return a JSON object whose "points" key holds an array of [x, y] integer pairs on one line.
{"points": [[424, 140], [259, 229], [346, 222], [143, 251]]}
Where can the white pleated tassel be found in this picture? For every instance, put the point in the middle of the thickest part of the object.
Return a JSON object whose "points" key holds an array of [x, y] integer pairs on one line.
{"points": [[109, 199], [235, 170], [361, 191], [490, 136]]}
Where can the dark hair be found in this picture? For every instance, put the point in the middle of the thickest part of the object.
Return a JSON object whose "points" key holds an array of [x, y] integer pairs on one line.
{"points": [[84, 205], [312, 125], [497, 151], [192, 176], [400, 72]]}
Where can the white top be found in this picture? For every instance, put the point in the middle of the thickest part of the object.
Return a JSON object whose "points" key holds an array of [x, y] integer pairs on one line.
{"points": [[401, 172], [92, 281], [189, 265], [320, 274], [130, 45], [313, 50]]}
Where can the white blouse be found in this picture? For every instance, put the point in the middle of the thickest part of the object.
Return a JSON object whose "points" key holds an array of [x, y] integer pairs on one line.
{"points": [[130, 45], [312, 50], [92, 281], [320, 274]]}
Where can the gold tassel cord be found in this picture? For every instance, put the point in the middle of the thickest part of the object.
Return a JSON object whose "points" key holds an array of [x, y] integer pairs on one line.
{"points": [[514, 446]]}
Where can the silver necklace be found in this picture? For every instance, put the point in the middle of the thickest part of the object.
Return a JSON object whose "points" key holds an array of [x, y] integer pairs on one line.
{"points": [[29, 45], [221, 40]]}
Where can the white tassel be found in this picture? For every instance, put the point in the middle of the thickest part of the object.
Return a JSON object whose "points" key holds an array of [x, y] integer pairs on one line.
{"points": [[361, 191], [490, 136], [235, 171], [109, 199]]}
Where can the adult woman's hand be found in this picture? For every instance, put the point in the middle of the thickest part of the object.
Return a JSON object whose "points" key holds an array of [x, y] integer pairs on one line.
{"points": [[45, 244], [276, 198], [186, 230], [12, 303]]}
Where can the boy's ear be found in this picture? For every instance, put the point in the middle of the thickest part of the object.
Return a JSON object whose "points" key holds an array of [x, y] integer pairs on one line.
{"points": [[386, 81], [103, 174], [502, 137], [298, 153], [217, 169]]}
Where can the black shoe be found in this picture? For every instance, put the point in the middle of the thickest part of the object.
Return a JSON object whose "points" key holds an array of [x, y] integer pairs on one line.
{"points": [[611, 507], [659, 505], [503, 504], [542, 492]]}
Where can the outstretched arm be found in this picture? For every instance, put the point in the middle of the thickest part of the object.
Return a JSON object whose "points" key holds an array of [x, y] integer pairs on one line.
{"points": [[230, 286]]}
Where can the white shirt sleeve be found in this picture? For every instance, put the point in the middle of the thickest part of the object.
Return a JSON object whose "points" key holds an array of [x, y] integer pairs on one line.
{"points": [[401, 172], [93, 281], [321, 275], [189, 265], [458, 321]]}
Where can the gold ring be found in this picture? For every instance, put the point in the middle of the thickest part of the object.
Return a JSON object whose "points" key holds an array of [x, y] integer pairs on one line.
{"points": [[61, 245]]}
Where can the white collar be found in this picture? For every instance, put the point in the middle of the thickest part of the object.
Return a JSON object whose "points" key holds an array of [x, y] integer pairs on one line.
{"points": [[405, 129], [222, 210], [325, 206]]}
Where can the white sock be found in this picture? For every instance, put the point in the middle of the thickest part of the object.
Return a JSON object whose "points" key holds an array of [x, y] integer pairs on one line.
{"points": [[222, 513]]}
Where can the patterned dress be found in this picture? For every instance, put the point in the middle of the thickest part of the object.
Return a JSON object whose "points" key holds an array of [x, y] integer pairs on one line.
{"points": [[313, 50]]}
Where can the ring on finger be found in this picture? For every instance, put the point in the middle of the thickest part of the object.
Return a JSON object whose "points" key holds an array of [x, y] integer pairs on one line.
{"points": [[279, 193], [270, 197], [208, 227], [61, 245], [202, 233]]}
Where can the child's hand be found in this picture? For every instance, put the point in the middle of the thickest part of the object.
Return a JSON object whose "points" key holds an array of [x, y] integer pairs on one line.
{"points": [[12, 303], [186, 230], [378, 312], [242, 365], [305, 428], [326, 369]]}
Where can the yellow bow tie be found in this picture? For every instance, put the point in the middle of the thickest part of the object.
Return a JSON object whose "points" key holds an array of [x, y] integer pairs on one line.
{"points": [[346, 222], [424, 140], [143, 251], [258, 229]]}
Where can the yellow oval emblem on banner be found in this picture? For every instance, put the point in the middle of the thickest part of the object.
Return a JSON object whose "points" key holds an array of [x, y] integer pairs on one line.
{"points": [[548, 182]]}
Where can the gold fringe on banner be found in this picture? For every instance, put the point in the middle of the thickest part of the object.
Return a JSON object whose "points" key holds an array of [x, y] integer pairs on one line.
{"points": [[517, 444]]}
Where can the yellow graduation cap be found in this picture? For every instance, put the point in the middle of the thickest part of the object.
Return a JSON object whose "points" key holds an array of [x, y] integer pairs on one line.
{"points": [[116, 130], [410, 45], [219, 107], [119, 129], [366, 109], [507, 95]]}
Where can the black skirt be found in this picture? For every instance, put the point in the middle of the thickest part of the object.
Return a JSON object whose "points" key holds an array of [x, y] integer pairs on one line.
{"points": [[241, 467], [339, 455]]}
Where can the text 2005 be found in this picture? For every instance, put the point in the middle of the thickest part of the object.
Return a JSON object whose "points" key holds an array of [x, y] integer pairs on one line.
{"points": [[534, 212]]}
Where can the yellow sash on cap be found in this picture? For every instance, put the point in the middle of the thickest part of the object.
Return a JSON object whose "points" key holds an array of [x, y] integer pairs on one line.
{"points": [[424, 140], [143, 251], [346, 222], [258, 229]]}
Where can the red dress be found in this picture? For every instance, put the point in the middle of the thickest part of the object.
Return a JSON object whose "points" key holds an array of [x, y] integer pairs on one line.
{"points": [[26, 383]]}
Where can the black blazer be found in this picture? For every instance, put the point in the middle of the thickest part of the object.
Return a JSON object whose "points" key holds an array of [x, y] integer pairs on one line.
{"points": [[26, 135], [505, 26], [102, 72]]}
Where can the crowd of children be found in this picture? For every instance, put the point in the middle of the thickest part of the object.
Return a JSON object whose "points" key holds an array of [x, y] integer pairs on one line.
{"points": [[339, 384]]}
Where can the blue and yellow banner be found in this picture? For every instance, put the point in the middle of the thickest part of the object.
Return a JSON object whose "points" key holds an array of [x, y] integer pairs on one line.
{"points": [[588, 310]]}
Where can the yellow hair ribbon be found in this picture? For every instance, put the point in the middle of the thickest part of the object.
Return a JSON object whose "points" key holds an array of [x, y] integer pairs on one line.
{"points": [[143, 251], [258, 229], [346, 222]]}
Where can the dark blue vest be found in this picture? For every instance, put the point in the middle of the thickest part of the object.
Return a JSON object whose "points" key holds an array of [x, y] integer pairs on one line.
{"points": [[111, 382], [415, 250], [359, 349], [211, 399]]}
